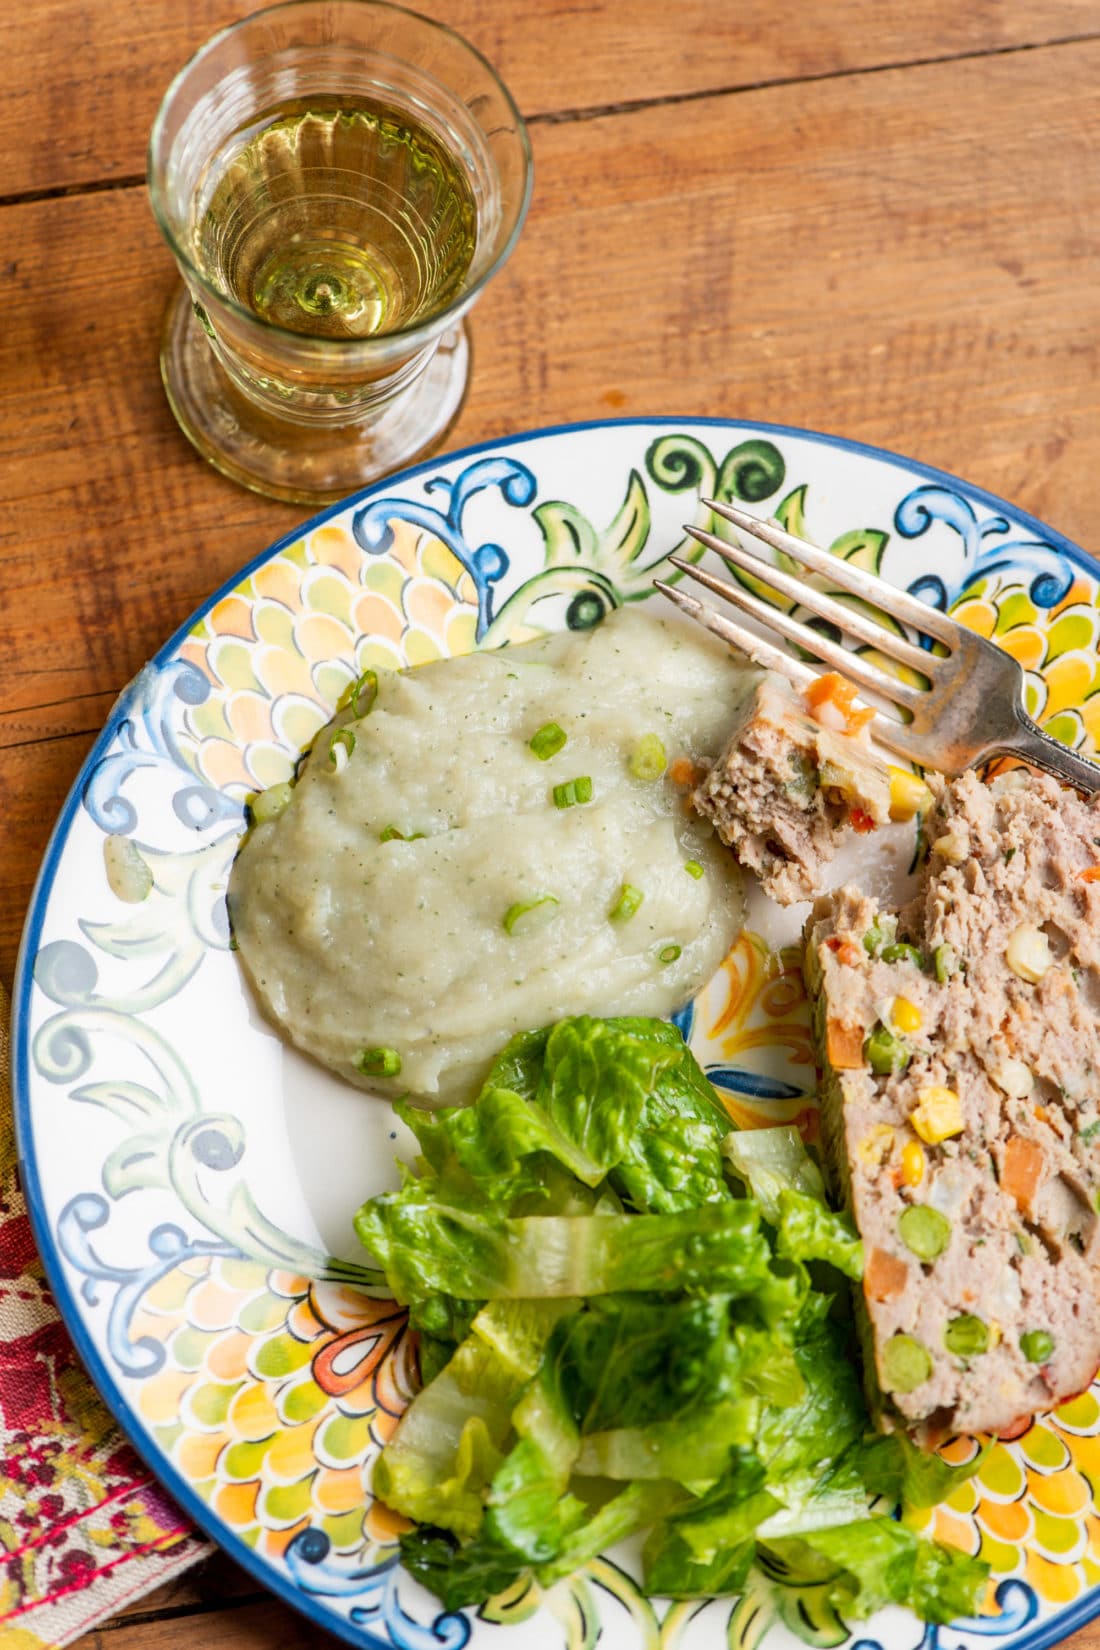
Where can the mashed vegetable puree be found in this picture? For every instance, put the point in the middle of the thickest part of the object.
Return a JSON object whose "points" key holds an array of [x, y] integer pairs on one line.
{"points": [[494, 845]]}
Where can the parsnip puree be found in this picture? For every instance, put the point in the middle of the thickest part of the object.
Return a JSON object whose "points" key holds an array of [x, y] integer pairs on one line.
{"points": [[436, 882]]}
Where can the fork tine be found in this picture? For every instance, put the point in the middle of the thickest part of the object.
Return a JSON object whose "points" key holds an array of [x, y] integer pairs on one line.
{"points": [[895, 735], [860, 583], [757, 649], [845, 618], [839, 658]]}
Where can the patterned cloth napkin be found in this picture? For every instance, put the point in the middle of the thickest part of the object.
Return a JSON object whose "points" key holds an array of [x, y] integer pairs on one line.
{"points": [[84, 1529]]}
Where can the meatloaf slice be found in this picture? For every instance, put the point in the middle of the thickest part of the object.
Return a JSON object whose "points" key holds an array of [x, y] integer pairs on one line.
{"points": [[786, 789], [960, 1047]]}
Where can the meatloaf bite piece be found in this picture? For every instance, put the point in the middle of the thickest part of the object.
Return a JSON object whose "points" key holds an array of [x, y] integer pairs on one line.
{"points": [[787, 787], [960, 1048]]}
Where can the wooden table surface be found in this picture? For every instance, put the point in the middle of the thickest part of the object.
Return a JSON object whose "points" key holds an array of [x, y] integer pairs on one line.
{"points": [[880, 220]]}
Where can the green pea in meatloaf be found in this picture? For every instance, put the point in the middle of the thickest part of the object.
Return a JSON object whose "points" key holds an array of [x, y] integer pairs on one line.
{"points": [[960, 1047]]}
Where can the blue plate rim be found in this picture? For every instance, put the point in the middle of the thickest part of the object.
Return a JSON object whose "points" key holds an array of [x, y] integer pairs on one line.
{"points": [[1051, 1631]]}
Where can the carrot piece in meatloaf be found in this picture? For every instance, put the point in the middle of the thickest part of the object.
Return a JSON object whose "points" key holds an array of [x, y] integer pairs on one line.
{"points": [[789, 784], [960, 1047]]}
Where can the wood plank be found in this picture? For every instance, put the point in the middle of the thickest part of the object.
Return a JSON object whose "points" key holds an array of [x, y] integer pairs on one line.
{"points": [[211, 1585], [75, 116], [252, 1626], [245, 1629], [906, 258]]}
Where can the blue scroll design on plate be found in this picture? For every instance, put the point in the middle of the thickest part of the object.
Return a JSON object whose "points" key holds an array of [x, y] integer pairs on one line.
{"points": [[146, 738], [985, 549], [737, 1079], [488, 563], [754, 1084], [1017, 1606], [319, 1576], [169, 1247]]}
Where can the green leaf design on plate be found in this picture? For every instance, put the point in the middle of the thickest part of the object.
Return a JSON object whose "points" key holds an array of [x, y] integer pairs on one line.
{"points": [[1074, 629], [516, 1604], [1015, 608], [752, 471], [568, 535], [863, 547], [1066, 727], [624, 1589]]}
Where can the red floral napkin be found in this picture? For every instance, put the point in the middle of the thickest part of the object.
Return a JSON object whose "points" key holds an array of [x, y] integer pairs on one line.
{"points": [[84, 1529]]}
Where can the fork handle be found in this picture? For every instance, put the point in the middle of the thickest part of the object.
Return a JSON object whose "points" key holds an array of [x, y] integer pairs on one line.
{"points": [[1038, 749]]}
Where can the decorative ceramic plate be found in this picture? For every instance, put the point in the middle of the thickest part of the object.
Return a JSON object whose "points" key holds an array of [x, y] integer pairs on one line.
{"points": [[192, 1180]]}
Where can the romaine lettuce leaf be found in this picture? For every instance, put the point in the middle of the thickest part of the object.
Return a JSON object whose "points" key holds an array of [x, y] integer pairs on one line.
{"points": [[426, 1248], [626, 1362], [595, 1080], [703, 1545], [621, 1343], [809, 1230], [673, 1571], [807, 1446], [622, 1097], [786, 1182], [632, 1509], [892, 1466], [451, 1441], [519, 1064], [459, 1575], [497, 1142], [439, 1463], [771, 1161], [528, 1511], [443, 1317], [671, 1164], [877, 1561], [693, 1449]]}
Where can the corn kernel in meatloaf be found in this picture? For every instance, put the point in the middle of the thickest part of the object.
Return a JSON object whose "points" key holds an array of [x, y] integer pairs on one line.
{"points": [[785, 790], [964, 1130]]}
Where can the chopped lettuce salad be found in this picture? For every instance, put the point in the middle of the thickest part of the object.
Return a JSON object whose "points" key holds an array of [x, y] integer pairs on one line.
{"points": [[631, 1319]]}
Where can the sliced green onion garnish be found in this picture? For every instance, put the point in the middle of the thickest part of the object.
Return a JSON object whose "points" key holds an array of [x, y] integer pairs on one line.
{"points": [[270, 803], [548, 741], [520, 915], [648, 760], [378, 1062], [669, 953], [573, 791], [392, 834], [627, 903], [693, 868], [902, 953], [361, 694], [340, 747], [945, 962]]}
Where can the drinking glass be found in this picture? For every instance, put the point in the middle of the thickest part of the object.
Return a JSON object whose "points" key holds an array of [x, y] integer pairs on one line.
{"points": [[337, 180]]}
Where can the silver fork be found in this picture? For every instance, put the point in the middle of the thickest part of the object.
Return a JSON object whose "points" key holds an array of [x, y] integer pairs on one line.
{"points": [[973, 708]]}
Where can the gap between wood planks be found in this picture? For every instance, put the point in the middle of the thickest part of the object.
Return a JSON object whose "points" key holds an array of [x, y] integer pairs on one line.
{"points": [[564, 117]]}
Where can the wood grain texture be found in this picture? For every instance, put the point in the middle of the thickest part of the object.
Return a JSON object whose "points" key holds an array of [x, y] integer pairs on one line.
{"points": [[907, 258], [82, 83], [260, 1625]]}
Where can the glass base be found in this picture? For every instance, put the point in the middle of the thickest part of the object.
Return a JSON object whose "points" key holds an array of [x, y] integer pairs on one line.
{"points": [[295, 462]]}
